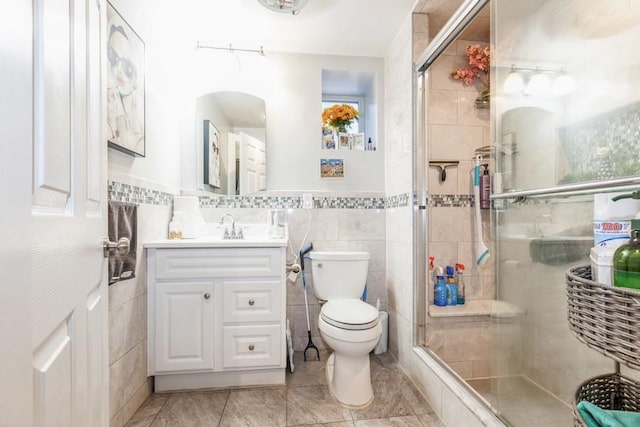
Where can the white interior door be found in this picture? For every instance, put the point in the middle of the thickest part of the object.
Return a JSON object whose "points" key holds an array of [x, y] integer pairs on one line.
{"points": [[232, 142], [253, 164], [16, 392], [55, 107]]}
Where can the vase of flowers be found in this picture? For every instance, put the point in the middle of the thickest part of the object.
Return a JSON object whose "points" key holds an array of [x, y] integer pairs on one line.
{"points": [[479, 60], [339, 117]]}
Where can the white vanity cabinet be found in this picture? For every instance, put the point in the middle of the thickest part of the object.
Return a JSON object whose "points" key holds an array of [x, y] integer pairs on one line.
{"points": [[216, 315]]}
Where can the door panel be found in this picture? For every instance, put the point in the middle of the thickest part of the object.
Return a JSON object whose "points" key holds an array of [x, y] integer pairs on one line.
{"points": [[52, 98], [68, 282], [253, 166], [53, 366]]}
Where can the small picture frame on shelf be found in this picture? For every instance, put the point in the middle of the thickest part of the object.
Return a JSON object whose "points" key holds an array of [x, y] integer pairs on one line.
{"points": [[358, 141], [331, 168], [344, 141], [328, 143]]}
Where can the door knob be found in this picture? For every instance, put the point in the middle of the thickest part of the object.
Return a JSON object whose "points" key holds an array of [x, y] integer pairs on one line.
{"points": [[121, 247]]}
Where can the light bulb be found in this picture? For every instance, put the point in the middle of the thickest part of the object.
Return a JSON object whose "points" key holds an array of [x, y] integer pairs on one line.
{"points": [[563, 84], [513, 83], [539, 84]]}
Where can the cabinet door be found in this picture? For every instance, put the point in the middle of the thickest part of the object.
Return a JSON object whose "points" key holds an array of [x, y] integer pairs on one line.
{"points": [[184, 326]]}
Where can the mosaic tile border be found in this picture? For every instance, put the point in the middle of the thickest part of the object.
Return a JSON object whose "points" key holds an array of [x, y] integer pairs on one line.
{"points": [[450, 200], [271, 202], [349, 202], [120, 192], [397, 201], [291, 202]]}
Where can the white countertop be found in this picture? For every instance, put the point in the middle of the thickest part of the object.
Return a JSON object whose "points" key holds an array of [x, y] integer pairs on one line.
{"points": [[212, 242], [255, 236]]}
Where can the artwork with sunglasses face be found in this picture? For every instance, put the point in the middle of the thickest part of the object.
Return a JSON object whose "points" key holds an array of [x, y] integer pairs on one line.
{"points": [[125, 86]]}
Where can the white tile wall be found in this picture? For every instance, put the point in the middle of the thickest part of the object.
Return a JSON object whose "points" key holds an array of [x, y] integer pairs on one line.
{"points": [[129, 385]]}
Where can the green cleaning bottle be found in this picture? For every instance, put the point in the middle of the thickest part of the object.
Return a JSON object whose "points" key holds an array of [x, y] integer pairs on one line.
{"points": [[626, 260]]}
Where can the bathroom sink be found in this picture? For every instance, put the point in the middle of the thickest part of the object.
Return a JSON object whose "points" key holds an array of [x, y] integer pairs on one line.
{"points": [[254, 235]]}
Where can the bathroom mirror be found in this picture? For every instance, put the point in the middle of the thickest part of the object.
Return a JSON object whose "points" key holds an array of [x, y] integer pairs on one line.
{"points": [[233, 126]]}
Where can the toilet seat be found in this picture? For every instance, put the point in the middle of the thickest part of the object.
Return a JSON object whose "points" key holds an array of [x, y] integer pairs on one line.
{"points": [[349, 314]]}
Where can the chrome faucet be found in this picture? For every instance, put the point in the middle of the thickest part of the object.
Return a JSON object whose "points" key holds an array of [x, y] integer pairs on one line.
{"points": [[234, 235], [228, 235]]}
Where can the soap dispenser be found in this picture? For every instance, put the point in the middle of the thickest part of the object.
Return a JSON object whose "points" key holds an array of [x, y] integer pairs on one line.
{"points": [[175, 226], [626, 260]]}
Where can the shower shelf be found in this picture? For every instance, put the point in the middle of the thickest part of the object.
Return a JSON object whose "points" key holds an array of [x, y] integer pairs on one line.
{"points": [[492, 308], [606, 319]]}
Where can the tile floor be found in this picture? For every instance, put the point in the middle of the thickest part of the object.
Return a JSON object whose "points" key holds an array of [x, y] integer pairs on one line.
{"points": [[305, 400]]}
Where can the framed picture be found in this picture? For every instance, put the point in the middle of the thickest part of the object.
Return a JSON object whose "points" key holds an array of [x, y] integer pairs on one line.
{"points": [[328, 143], [358, 141], [344, 141], [211, 154], [125, 86], [331, 168]]}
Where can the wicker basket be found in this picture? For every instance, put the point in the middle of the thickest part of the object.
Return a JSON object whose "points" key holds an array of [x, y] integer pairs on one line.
{"points": [[611, 391], [605, 318]]}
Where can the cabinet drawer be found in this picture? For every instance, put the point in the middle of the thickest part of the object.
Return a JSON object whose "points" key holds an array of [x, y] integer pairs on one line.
{"points": [[252, 346], [206, 263], [252, 301]]}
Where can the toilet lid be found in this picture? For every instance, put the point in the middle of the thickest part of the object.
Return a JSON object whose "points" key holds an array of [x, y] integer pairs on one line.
{"points": [[351, 314]]}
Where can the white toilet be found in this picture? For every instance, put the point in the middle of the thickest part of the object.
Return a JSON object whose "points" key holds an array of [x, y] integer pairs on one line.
{"points": [[348, 325]]}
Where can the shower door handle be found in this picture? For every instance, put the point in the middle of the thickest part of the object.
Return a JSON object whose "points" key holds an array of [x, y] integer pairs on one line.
{"points": [[120, 247]]}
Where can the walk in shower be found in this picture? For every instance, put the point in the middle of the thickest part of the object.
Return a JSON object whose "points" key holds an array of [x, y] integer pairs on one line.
{"points": [[563, 125]]}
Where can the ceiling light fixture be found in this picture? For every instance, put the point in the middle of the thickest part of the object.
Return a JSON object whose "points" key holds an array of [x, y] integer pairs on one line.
{"points": [[284, 6]]}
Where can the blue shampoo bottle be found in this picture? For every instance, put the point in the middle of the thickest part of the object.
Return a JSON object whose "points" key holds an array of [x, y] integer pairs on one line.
{"points": [[440, 289]]}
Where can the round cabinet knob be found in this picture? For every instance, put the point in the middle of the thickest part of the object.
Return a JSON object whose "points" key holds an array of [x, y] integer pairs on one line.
{"points": [[319, 265], [207, 295], [251, 347], [251, 302]]}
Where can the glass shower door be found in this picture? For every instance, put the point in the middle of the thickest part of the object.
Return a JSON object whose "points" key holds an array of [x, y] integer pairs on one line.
{"points": [[567, 126]]}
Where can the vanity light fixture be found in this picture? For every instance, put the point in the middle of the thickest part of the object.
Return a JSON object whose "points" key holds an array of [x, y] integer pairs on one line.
{"points": [[563, 84], [514, 81], [231, 49], [284, 6], [538, 82]]}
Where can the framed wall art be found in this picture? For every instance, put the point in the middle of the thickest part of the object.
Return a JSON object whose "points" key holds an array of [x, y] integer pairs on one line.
{"points": [[331, 168], [125, 86], [211, 154]]}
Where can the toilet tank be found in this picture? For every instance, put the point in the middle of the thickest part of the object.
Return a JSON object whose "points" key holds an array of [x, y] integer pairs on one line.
{"points": [[339, 274]]}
